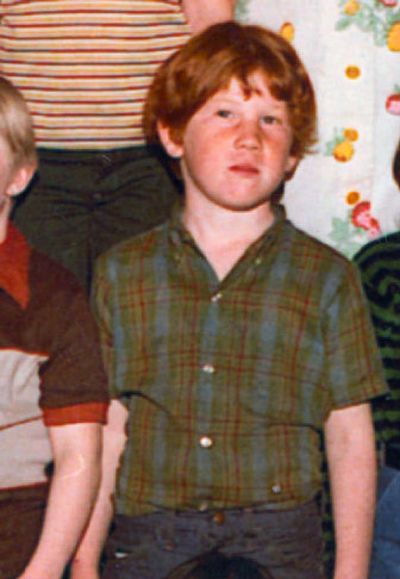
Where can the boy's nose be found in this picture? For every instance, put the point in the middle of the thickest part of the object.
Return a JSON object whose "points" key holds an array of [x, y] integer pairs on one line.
{"points": [[248, 135]]}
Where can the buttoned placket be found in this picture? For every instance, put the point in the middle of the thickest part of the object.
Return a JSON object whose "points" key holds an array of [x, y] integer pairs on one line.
{"points": [[247, 267]]}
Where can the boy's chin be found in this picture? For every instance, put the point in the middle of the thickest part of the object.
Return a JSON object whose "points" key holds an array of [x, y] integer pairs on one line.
{"points": [[246, 206]]}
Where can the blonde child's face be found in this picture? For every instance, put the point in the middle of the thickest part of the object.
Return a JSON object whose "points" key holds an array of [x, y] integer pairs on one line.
{"points": [[235, 149], [6, 171], [13, 179]]}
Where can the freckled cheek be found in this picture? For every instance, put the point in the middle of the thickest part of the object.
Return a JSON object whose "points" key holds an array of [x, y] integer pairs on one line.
{"points": [[211, 149], [278, 148]]}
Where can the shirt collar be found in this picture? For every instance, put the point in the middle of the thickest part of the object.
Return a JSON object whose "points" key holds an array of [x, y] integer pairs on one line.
{"points": [[179, 235], [14, 266]]}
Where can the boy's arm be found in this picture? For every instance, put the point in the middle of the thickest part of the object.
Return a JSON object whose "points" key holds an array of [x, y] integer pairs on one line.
{"points": [[203, 13], [351, 457], [76, 452], [86, 560]]}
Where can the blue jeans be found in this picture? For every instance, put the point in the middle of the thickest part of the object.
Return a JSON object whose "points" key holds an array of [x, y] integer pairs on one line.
{"points": [[385, 561], [288, 543]]}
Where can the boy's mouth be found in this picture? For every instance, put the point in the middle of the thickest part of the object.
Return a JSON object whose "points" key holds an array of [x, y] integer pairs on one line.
{"points": [[245, 169]]}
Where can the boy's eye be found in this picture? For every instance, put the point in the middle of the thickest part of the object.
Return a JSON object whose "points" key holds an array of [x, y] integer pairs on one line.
{"points": [[224, 114], [271, 120]]}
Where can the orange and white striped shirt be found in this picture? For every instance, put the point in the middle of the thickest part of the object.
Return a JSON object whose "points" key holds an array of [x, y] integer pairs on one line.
{"points": [[84, 67]]}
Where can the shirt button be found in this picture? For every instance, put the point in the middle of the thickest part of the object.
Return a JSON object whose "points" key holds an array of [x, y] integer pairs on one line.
{"points": [[206, 442], [208, 369], [258, 261], [276, 489], [216, 297]]}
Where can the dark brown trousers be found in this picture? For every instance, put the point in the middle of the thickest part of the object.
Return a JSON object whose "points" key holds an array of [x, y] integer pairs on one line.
{"points": [[21, 519]]}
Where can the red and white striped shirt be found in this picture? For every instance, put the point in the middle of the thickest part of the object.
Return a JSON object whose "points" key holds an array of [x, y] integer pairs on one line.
{"points": [[84, 67]]}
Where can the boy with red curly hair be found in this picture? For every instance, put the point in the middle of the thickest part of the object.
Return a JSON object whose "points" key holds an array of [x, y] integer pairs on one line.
{"points": [[232, 339]]}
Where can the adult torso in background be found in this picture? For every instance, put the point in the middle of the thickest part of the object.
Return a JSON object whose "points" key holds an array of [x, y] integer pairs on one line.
{"points": [[84, 67]]}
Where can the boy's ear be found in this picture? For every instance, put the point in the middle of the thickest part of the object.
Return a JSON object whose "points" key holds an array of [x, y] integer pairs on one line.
{"points": [[291, 166], [173, 149], [20, 180]]}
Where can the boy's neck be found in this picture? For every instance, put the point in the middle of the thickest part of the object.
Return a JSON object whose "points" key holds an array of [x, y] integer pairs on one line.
{"points": [[224, 236]]}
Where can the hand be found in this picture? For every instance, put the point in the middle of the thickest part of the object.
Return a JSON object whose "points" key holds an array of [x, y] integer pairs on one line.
{"points": [[82, 570]]}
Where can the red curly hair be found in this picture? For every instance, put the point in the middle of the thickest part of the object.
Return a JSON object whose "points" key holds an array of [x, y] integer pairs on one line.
{"points": [[207, 64]]}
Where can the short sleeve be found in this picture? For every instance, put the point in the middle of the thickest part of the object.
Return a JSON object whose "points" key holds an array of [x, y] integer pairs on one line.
{"points": [[60, 322], [353, 368]]}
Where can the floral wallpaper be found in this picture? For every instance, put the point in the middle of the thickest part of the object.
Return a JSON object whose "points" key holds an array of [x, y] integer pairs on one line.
{"points": [[344, 193]]}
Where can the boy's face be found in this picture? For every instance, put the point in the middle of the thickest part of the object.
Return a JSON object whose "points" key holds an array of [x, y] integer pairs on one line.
{"points": [[6, 170], [13, 180], [235, 149]]}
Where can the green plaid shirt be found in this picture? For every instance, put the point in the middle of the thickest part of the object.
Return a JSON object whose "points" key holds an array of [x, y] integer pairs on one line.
{"points": [[228, 383]]}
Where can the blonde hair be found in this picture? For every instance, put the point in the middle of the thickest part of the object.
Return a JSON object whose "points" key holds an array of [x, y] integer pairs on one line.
{"points": [[16, 128]]}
